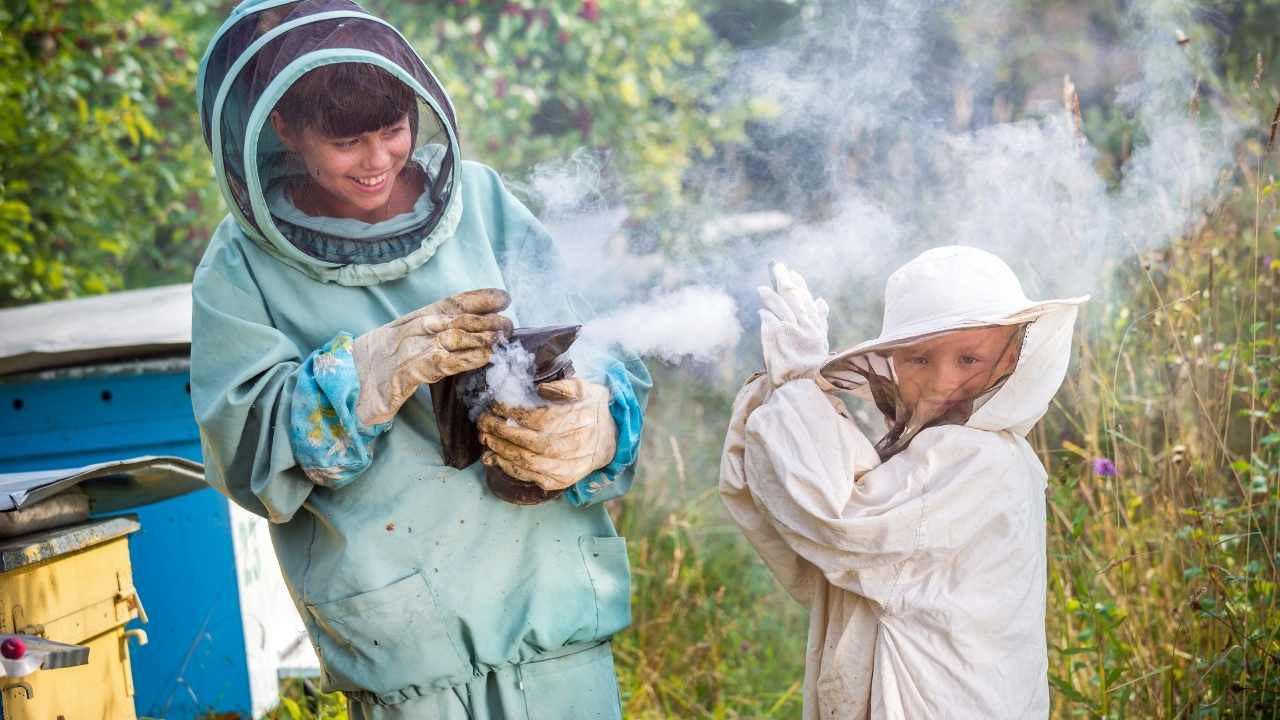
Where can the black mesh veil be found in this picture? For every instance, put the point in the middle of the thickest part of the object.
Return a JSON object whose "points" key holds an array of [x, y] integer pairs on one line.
{"points": [[264, 49], [907, 411]]}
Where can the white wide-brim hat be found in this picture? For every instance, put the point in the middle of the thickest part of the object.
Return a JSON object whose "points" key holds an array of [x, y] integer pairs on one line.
{"points": [[952, 288]]}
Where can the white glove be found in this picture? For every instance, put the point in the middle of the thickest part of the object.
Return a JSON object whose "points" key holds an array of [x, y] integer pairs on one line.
{"points": [[793, 328], [553, 445], [444, 338]]}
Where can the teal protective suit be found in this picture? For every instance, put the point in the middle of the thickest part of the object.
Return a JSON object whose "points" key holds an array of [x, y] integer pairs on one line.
{"points": [[423, 594]]}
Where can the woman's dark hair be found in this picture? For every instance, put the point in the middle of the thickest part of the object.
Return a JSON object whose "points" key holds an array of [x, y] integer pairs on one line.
{"points": [[346, 99]]}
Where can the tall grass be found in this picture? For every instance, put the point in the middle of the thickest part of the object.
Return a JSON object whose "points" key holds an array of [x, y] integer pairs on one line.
{"points": [[1162, 575], [712, 635]]}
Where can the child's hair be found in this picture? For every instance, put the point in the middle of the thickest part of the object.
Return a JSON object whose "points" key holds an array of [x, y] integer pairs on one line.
{"points": [[347, 99]]}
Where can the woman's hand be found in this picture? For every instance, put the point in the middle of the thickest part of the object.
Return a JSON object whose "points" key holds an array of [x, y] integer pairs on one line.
{"points": [[444, 338], [554, 445], [793, 327]]}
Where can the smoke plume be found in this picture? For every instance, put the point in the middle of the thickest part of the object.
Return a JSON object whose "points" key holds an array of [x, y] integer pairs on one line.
{"points": [[897, 128]]}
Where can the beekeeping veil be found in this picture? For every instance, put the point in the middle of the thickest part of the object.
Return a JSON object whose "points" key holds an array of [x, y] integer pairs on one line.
{"points": [[263, 49], [943, 292]]}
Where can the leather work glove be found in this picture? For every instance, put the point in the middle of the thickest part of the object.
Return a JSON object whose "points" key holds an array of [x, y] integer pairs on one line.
{"points": [[444, 338], [553, 445], [793, 327]]}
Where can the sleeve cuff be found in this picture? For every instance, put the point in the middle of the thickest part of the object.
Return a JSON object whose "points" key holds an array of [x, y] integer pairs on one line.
{"points": [[329, 442]]}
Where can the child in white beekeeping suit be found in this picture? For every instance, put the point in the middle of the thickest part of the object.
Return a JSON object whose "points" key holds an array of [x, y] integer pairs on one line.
{"points": [[921, 558]]}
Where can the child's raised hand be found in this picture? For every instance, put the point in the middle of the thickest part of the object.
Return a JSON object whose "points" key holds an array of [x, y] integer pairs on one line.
{"points": [[793, 327]]}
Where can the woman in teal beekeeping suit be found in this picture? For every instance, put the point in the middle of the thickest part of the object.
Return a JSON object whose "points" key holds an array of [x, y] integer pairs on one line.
{"points": [[363, 260]]}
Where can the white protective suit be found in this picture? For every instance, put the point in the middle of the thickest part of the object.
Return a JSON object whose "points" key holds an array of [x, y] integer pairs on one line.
{"points": [[924, 574]]}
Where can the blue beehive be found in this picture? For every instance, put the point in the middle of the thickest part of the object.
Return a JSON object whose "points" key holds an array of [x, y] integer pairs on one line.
{"points": [[106, 378]]}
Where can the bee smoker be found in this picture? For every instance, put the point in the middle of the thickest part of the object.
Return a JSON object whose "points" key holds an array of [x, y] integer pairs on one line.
{"points": [[452, 398]]}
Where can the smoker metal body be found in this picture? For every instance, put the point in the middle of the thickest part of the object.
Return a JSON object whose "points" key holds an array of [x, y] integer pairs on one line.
{"points": [[220, 618]]}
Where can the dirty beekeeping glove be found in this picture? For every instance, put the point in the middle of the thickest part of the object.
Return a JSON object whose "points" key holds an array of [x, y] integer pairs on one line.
{"points": [[554, 445], [793, 327], [444, 338]]}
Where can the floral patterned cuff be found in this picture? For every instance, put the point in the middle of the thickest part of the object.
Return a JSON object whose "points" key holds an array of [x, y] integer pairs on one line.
{"points": [[329, 442]]}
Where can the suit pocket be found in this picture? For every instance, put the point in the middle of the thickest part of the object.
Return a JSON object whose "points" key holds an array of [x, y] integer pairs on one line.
{"points": [[387, 639], [582, 686], [606, 561]]}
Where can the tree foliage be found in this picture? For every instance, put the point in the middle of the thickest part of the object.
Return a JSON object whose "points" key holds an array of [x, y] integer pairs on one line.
{"points": [[104, 182], [534, 81], [102, 175]]}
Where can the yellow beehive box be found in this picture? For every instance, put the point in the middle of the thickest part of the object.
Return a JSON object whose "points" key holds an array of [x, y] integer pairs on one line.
{"points": [[73, 585]]}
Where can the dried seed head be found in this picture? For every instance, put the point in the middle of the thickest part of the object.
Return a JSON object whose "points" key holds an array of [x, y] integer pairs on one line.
{"points": [[1275, 122], [1071, 101]]}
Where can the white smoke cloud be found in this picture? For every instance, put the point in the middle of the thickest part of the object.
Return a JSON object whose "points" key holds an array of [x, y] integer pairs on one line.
{"points": [[694, 322], [567, 187], [508, 380], [908, 139]]}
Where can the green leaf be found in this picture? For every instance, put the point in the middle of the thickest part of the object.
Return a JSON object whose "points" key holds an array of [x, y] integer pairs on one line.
{"points": [[1079, 650], [1077, 520], [15, 211], [1067, 690]]}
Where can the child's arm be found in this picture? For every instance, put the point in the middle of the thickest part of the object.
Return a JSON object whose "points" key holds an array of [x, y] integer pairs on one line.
{"points": [[917, 508], [275, 419], [793, 340], [796, 574]]}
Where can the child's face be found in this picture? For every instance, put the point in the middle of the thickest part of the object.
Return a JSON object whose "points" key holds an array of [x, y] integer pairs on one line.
{"points": [[357, 174], [935, 374]]}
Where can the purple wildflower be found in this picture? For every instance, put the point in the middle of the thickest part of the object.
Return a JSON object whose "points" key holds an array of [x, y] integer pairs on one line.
{"points": [[1104, 467]]}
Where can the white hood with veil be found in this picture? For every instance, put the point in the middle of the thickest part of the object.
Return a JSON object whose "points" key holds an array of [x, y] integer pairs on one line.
{"points": [[924, 573]]}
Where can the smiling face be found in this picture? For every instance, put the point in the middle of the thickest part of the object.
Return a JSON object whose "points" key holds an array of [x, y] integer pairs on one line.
{"points": [[354, 127], [355, 177], [935, 374]]}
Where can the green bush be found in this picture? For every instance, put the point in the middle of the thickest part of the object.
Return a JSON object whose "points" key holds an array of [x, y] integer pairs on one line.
{"points": [[534, 81], [105, 183], [103, 179]]}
